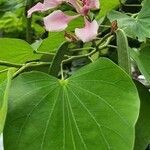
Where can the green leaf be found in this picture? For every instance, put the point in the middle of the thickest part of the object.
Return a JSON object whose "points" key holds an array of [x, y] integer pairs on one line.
{"points": [[142, 58], [51, 114], [4, 90], [15, 51], [143, 124], [55, 67], [52, 43], [123, 51], [138, 27], [107, 6]]}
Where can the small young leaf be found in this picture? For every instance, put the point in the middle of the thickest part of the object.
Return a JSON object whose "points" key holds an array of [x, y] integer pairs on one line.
{"points": [[123, 51]]}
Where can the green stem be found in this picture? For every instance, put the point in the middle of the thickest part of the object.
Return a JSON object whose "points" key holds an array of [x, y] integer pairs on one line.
{"points": [[44, 53], [28, 22], [104, 39], [105, 26], [32, 64], [81, 49], [5, 70], [9, 64], [112, 46]]}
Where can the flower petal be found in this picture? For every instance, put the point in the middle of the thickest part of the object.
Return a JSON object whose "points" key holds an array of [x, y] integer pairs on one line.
{"points": [[89, 32], [37, 7], [84, 6], [57, 21], [94, 4], [47, 4], [89, 5], [75, 4]]}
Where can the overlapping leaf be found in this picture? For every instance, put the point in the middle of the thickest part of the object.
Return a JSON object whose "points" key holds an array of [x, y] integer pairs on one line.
{"points": [[142, 59], [107, 6], [142, 126], [135, 27], [15, 51], [95, 109]]}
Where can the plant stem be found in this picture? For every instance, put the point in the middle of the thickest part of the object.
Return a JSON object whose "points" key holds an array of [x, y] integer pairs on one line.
{"points": [[28, 22], [81, 49], [32, 64], [104, 39], [9, 64], [45, 53], [112, 46], [5, 70], [105, 26]]}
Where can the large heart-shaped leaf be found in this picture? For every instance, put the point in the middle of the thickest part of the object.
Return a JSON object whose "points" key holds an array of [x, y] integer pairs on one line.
{"points": [[95, 109], [138, 27], [143, 124]]}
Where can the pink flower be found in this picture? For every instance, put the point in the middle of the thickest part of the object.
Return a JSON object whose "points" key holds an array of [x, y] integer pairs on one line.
{"points": [[58, 21], [84, 6], [89, 32], [47, 4]]}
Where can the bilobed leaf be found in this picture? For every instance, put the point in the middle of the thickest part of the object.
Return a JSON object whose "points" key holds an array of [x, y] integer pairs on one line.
{"points": [[138, 27], [143, 124], [142, 59], [4, 90], [94, 109]]}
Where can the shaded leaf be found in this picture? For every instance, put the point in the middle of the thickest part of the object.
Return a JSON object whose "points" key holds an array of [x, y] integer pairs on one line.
{"points": [[142, 59], [143, 123]]}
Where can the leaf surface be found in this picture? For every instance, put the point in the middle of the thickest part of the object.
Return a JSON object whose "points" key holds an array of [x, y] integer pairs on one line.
{"points": [[94, 109], [138, 27], [4, 92], [142, 127]]}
